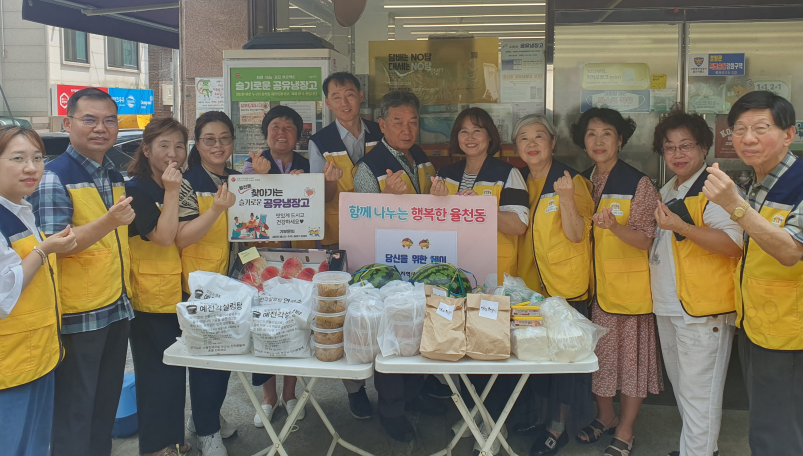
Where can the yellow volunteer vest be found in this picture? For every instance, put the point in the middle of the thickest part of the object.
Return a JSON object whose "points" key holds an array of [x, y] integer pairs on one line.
{"points": [[621, 271], [211, 253], [331, 147], [155, 270], [769, 295], [548, 260], [30, 346], [704, 280], [97, 276], [381, 159]]}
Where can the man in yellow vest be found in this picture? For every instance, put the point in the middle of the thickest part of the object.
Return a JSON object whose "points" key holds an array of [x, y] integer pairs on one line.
{"points": [[769, 277], [82, 188]]}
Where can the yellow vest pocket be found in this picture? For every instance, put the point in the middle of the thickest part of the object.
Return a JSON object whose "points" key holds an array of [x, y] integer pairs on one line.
{"points": [[33, 334], [772, 307], [79, 278], [627, 280], [568, 266], [158, 285]]}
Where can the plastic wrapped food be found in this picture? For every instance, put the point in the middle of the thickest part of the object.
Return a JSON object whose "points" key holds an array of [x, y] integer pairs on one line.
{"points": [[333, 304], [520, 322], [530, 343], [331, 283], [572, 337], [525, 309], [360, 330], [402, 322], [518, 291], [217, 319], [327, 336], [329, 320], [327, 352], [393, 287]]}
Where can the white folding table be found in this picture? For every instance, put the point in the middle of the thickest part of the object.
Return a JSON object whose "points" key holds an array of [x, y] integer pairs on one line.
{"points": [[467, 366], [177, 355]]}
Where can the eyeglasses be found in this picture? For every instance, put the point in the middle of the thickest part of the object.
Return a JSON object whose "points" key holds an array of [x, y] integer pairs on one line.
{"points": [[210, 141], [37, 161], [759, 129], [92, 122], [685, 148]]}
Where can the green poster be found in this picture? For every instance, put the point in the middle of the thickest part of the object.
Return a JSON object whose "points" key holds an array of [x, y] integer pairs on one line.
{"points": [[276, 84]]}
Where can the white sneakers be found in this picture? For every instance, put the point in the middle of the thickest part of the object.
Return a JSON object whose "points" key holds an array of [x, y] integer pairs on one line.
{"points": [[497, 444], [269, 409], [466, 432], [226, 429], [212, 445]]}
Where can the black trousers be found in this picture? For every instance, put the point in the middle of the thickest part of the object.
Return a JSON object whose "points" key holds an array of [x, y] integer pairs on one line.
{"points": [[773, 380], [88, 385], [394, 390], [161, 389]]}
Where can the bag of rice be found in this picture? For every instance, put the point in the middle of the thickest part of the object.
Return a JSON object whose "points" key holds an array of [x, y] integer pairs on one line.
{"points": [[217, 319], [281, 323]]}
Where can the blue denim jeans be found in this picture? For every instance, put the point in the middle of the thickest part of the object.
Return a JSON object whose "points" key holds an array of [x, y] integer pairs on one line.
{"points": [[28, 413]]}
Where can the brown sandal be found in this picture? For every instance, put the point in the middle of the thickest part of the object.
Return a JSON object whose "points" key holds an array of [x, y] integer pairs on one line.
{"points": [[596, 429], [619, 447]]}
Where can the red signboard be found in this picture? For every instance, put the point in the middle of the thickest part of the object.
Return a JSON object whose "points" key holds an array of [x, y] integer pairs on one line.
{"points": [[63, 94]]}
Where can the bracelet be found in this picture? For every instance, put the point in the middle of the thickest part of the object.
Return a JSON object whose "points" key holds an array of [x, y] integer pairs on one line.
{"points": [[41, 254], [686, 233]]}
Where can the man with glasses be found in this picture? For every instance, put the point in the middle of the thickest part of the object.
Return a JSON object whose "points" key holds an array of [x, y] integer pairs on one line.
{"points": [[81, 188], [769, 277]]}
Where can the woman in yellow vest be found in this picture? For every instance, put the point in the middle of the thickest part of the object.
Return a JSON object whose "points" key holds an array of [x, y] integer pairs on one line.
{"points": [[691, 274], [622, 232], [204, 242], [554, 259], [156, 284], [475, 136], [30, 318]]}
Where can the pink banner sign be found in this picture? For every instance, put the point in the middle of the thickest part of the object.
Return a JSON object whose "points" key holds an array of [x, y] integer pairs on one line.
{"points": [[471, 218]]}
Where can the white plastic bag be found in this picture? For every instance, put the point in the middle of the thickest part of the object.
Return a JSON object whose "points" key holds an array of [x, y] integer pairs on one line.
{"points": [[361, 291], [572, 337], [361, 329], [206, 285], [393, 287], [280, 326], [517, 290], [530, 343], [403, 322]]}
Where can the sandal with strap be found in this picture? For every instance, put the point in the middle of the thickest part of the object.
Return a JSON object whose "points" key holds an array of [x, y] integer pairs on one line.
{"points": [[619, 447], [594, 431]]}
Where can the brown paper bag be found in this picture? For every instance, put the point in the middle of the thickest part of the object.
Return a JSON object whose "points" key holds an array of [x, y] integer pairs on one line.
{"points": [[430, 290], [444, 338], [488, 338]]}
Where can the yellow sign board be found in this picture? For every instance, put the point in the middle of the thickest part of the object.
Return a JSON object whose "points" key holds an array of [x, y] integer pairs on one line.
{"points": [[616, 76], [437, 71], [658, 81]]}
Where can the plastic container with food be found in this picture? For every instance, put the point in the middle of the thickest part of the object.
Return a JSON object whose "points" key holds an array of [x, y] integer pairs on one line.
{"points": [[329, 304], [328, 352], [521, 322], [327, 336], [331, 283], [525, 309], [329, 320]]}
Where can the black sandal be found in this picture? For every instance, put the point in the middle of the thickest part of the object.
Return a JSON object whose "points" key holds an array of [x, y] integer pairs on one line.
{"points": [[547, 445], [594, 431], [619, 447]]}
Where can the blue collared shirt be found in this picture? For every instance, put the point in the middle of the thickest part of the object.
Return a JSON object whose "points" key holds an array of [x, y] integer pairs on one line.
{"points": [[53, 209], [355, 147]]}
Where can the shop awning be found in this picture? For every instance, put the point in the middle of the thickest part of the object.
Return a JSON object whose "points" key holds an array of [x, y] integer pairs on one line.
{"points": [[145, 21]]}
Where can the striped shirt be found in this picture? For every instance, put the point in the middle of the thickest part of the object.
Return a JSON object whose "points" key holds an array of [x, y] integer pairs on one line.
{"points": [[758, 191], [365, 181], [53, 209]]}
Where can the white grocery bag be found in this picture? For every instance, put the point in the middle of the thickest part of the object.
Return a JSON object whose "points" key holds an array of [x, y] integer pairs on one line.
{"points": [[217, 319], [402, 322], [280, 326]]}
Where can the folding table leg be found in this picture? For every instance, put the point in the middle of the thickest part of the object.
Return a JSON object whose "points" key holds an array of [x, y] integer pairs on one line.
{"points": [[489, 422], [468, 420], [495, 432], [277, 443]]}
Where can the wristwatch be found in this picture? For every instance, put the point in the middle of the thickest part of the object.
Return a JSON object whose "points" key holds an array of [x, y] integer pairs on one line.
{"points": [[740, 211]]}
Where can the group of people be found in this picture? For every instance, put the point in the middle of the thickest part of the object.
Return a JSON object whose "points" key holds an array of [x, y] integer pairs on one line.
{"points": [[90, 261]]}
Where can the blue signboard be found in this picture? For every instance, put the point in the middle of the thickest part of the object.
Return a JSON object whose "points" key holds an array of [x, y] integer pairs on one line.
{"points": [[716, 65], [132, 101]]}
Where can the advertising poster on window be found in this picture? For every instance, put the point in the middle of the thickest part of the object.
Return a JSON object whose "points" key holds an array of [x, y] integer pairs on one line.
{"points": [[502, 115], [707, 97], [716, 65], [408, 231], [276, 84], [408, 250], [248, 139], [252, 112], [209, 95], [723, 139], [436, 121], [615, 76], [437, 71], [522, 73], [276, 207], [620, 100], [306, 109]]}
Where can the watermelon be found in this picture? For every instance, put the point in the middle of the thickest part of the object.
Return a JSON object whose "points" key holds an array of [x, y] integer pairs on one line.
{"points": [[376, 274], [444, 275]]}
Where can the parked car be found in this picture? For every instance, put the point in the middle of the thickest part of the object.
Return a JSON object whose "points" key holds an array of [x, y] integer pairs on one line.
{"points": [[128, 141]]}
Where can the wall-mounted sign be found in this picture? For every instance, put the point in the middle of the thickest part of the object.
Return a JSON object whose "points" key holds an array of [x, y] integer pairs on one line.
{"points": [[208, 95], [620, 100], [616, 76], [276, 84], [522, 75], [716, 65], [437, 71], [129, 101], [707, 97]]}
